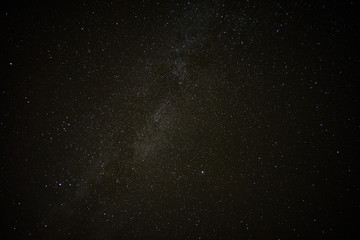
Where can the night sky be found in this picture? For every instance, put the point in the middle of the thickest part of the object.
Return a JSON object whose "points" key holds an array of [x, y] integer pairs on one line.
{"points": [[180, 120]]}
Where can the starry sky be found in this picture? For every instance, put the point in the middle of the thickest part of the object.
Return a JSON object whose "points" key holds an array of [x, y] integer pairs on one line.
{"points": [[180, 120]]}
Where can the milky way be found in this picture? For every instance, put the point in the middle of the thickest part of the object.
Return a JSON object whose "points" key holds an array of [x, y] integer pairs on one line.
{"points": [[180, 120]]}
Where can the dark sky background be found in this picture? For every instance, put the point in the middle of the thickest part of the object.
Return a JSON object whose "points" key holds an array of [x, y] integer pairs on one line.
{"points": [[180, 120]]}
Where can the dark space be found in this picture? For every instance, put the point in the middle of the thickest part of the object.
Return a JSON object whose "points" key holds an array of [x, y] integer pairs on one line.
{"points": [[180, 120]]}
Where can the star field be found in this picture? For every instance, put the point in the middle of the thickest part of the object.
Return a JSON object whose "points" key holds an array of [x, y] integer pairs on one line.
{"points": [[180, 120]]}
